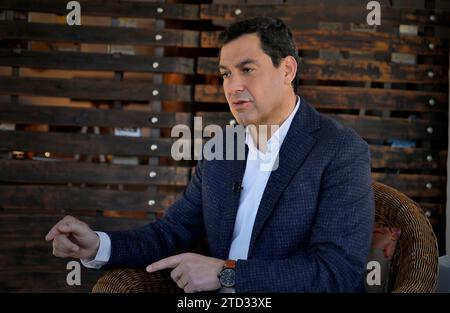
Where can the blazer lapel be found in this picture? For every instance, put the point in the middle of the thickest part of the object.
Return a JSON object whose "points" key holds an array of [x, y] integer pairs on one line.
{"points": [[295, 148], [234, 173]]}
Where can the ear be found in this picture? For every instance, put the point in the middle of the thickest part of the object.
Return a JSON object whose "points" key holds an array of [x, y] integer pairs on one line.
{"points": [[290, 69]]}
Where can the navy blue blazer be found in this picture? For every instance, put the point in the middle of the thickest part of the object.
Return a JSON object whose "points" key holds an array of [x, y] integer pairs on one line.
{"points": [[314, 224]]}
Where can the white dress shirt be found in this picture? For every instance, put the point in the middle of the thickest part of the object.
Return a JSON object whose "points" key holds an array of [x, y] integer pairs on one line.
{"points": [[257, 173]]}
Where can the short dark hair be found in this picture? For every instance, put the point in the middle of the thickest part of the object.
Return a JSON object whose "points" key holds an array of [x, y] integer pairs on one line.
{"points": [[276, 39]]}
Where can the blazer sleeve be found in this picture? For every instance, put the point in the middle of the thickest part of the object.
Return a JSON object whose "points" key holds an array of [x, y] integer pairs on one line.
{"points": [[335, 259], [174, 233]]}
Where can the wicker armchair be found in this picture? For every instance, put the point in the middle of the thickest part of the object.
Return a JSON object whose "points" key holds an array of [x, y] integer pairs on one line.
{"points": [[415, 262], [414, 266], [136, 281]]}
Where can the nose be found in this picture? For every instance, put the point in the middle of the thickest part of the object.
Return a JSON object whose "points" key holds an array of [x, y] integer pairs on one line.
{"points": [[234, 84]]}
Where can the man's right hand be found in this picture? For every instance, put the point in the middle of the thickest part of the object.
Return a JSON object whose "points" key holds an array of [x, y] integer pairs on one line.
{"points": [[73, 238]]}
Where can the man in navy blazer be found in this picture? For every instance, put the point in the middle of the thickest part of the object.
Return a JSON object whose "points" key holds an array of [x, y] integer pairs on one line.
{"points": [[304, 226]]}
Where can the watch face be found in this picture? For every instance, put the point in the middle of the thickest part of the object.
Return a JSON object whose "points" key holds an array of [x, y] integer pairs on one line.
{"points": [[227, 277]]}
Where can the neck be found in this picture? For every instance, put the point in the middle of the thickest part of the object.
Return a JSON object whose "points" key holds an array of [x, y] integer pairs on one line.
{"points": [[261, 134]]}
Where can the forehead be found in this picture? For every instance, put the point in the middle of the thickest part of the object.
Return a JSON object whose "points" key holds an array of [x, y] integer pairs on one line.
{"points": [[247, 46]]}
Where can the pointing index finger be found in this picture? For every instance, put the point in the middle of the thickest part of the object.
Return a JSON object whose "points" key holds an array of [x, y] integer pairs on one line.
{"points": [[170, 262]]}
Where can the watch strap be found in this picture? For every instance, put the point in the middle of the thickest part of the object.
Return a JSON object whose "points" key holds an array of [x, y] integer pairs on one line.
{"points": [[230, 264]]}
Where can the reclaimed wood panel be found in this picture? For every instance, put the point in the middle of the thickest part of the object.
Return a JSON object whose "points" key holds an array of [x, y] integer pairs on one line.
{"points": [[73, 143], [331, 97], [29, 248], [95, 61], [400, 128], [308, 12], [373, 71], [53, 115], [27, 261], [406, 158], [311, 15], [375, 98], [38, 225], [18, 30], [115, 8], [83, 199], [93, 89], [434, 211], [310, 40], [370, 127], [90, 173], [439, 5], [355, 70], [414, 185]]}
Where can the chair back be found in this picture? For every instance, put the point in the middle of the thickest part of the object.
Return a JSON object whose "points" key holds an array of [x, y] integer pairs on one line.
{"points": [[414, 266]]}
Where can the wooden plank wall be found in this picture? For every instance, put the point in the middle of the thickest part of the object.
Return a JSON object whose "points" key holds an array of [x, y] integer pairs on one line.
{"points": [[83, 126], [68, 94]]}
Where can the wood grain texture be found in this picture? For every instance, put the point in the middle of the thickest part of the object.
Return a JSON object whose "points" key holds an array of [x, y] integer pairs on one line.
{"points": [[117, 8], [51, 172], [317, 39], [66, 116], [65, 60], [18, 30], [93, 89], [73, 143]]}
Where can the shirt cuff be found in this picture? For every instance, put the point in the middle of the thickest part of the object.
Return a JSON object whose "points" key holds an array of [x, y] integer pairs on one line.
{"points": [[103, 253]]}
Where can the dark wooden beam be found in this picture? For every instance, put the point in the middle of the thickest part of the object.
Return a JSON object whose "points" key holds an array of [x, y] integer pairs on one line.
{"points": [[93, 89], [18, 30], [95, 61], [414, 185], [66, 116], [76, 143], [304, 12], [27, 171], [115, 8], [84, 199], [311, 40]]}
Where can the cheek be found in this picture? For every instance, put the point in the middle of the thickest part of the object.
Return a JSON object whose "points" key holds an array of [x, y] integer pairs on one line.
{"points": [[225, 91], [276, 79], [264, 86]]}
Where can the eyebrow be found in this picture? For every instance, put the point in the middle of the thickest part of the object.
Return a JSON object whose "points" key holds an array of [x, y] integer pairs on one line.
{"points": [[240, 64]]}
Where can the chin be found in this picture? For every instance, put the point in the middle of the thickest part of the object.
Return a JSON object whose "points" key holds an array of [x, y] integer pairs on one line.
{"points": [[242, 119], [243, 122]]}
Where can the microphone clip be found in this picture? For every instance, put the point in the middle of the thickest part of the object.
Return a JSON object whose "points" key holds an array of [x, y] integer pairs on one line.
{"points": [[237, 187]]}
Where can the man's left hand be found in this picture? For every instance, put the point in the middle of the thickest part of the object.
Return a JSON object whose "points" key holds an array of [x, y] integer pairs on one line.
{"points": [[192, 272]]}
